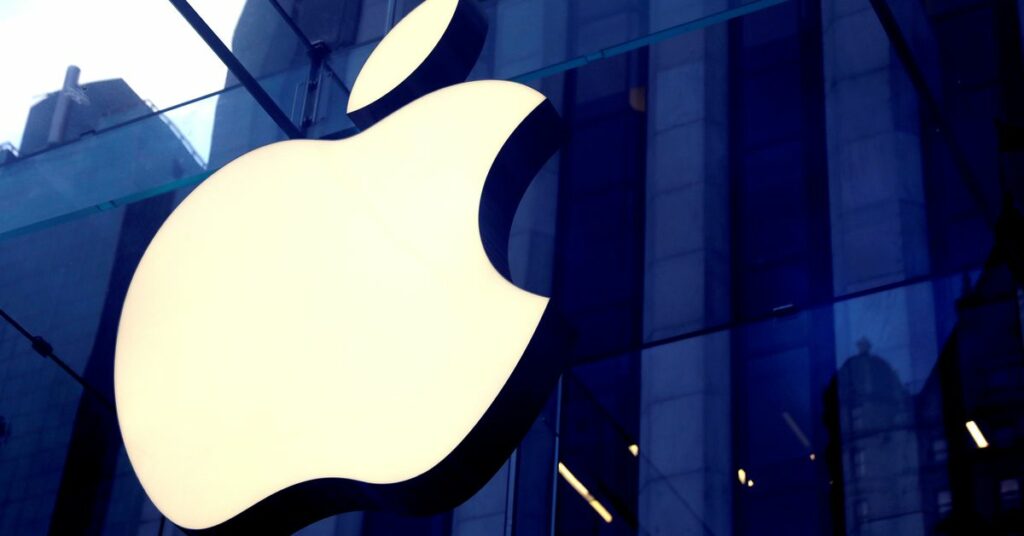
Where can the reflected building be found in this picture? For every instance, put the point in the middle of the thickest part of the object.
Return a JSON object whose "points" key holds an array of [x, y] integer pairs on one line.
{"points": [[873, 456], [897, 459], [60, 448], [979, 378]]}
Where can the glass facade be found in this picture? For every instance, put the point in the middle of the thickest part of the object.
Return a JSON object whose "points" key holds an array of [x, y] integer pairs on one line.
{"points": [[787, 232]]}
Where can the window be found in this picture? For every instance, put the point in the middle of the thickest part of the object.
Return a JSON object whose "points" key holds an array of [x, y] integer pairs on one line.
{"points": [[1009, 494], [860, 466], [944, 500], [939, 450]]}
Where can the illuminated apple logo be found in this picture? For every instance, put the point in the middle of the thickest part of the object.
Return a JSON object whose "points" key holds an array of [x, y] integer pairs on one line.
{"points": [[324, 326]]}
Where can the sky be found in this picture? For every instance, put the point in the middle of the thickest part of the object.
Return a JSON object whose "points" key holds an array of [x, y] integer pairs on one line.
{"points": [[145, 42]]}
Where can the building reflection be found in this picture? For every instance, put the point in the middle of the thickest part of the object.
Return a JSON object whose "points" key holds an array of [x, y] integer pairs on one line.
{"points": [[905, 463], [874, 468]]}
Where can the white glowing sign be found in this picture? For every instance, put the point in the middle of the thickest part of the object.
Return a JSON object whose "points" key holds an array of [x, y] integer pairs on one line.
{"points": [[326, 309]]}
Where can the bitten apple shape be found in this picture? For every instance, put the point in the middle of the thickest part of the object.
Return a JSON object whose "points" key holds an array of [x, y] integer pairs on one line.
{"points": [[327, 312]]}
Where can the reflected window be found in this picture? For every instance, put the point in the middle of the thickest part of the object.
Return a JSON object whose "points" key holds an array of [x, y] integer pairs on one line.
{"points": [[944, 500], [860, 466], [939, 450], [857, 417], [1009, 494], [862, 511]]}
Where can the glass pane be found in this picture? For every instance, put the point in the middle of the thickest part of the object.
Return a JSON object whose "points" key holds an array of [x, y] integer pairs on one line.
{"points": [[657, 148], [835, 423], [529, 39], [70, 292], [132, 161], [792, 312]]}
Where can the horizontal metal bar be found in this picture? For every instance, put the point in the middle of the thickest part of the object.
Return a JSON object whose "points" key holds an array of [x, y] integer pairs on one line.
{"points": [[650, 39]]}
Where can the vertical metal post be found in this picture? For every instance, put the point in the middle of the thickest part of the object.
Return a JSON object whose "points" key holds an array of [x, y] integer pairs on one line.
{"points": [[311, 96], [557, 455], [510, 493]]}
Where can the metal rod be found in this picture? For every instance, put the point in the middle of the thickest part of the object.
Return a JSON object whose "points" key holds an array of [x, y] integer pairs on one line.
{"points": [[931, 106], [236, 68], [510, 493], [292, 25], [43, 348], [647, 40], [556, 457]]}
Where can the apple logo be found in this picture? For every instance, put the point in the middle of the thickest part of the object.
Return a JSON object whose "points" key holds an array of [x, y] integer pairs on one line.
{"points": [[325, 326]]}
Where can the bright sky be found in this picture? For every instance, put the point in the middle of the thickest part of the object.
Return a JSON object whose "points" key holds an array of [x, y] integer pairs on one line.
{"points": [[145, 42]]}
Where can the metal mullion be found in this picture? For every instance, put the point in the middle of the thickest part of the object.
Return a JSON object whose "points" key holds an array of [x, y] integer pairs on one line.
{"points": [[308, 44]]}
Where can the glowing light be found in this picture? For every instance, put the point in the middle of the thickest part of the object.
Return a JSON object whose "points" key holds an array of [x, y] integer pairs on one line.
{"points": [[406, 46], [812, 456], [321, 309], [742, 475], [979, 438], [750, 483], [260, 326], [583, 492], [634, 449]]}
